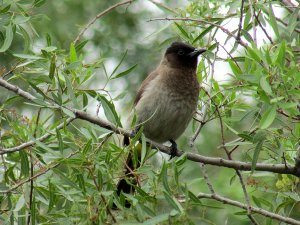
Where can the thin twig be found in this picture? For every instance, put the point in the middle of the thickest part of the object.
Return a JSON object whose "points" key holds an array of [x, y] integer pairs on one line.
{"points": [[101, 196], [163, 6], [38, 174], [226, 31], [99, 16], [238, 37], [260, 211], [33, 142], [228, 53], [32, 169], [249, 207], [276, 168], [263, 29], [205, 176], [228, 153], [252, 11]]}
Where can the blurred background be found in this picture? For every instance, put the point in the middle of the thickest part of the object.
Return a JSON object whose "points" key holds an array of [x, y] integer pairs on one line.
{"points": [[126, 35]]}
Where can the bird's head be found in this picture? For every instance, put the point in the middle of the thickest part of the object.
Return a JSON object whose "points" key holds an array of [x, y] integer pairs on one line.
{"points": [[184, 55]]}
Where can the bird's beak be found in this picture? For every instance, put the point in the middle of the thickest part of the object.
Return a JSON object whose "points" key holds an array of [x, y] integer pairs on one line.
{"points": [[197, 52]]}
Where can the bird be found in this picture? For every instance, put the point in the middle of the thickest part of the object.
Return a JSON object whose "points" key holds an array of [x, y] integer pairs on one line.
{"points": [[166, 100]]}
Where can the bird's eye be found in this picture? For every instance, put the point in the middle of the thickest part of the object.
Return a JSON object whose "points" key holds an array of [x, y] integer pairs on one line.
{"points": [[180, 52]]}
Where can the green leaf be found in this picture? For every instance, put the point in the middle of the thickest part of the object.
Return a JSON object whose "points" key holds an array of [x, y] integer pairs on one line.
{"points": [[33, 211], [154, 220], [164, 176], [24, 164], [268, 117], [257, 150], [265, 85], [60, 141], [8, 38], [73, 55], [87, 147], [20, 203], [124, 72], [110, 111], [272, 21], [281, 54], [254, 54], [173, 201], [293, 21], [43, 146], [51, 196], [26, 37], [37, 89], [52, 67], [185, 34], [25, 56], [68, 112], [80, 45], [5, 9], [234, 67], [38, 3], [71, 92], [194, 198], [203, 33], [119, 64], [65, 179]]}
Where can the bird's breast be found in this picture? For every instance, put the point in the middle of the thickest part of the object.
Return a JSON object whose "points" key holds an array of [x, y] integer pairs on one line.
{"points": [[166, 107]]}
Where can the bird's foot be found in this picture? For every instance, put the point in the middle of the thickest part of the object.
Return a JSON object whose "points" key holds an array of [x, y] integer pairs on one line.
{"points": [[174, 149]]}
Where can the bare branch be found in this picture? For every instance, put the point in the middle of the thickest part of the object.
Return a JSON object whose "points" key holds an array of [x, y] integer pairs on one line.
{"points": [[99, 16], [205, 176], [38, 174], [33, 142], [252, 10], [276, 168], [262, 27], [238, 38], [226, 31], [260, 211]]}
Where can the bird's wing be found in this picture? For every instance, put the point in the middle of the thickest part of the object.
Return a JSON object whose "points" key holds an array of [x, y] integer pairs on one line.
{"points": [[145, 83]]}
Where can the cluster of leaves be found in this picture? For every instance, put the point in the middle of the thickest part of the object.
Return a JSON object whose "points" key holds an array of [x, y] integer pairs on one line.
{"points": [[70, 177]]}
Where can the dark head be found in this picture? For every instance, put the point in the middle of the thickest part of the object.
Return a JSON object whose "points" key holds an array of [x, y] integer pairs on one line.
{"points": [[183, 55]]}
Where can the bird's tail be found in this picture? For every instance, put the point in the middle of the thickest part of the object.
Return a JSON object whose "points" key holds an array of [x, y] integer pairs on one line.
{"points": [[127, 184]]}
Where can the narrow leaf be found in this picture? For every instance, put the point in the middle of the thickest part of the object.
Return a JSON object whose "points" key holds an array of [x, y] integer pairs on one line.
{"points": [[52, 67], [182, 31], [258, 147], [24, 164], [268, 117], [8, 38], [119, 64], [71, 92], [60, 141], [272, 21], [124, 72], [73, 55], [265, 85], [110, 111]]}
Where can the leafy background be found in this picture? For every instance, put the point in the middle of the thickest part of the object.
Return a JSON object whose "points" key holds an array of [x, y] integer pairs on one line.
{"points": [[248, 108]]}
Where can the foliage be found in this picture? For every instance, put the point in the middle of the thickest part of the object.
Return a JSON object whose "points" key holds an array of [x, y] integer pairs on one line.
{"points": [[68, 168]]}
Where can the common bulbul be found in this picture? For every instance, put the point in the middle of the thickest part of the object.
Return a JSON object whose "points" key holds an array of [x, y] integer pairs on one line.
{"points": [[167, 99]]}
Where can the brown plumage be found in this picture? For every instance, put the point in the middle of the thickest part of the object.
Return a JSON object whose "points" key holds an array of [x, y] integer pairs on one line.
{"points": [[167, 98]]}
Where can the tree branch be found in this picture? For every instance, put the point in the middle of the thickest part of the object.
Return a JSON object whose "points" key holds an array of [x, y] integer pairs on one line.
{"points": [[275, 168], [226, 31], [260, 211], [100, 15], [241, 21], [33, 142]]}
